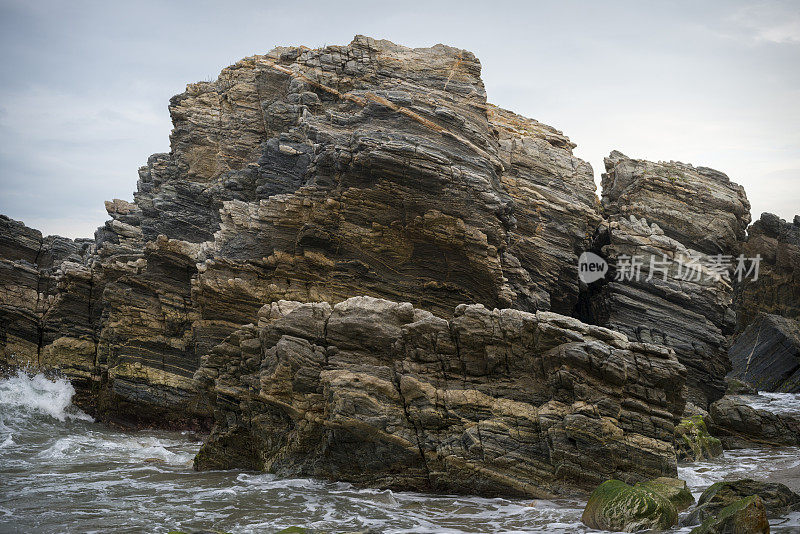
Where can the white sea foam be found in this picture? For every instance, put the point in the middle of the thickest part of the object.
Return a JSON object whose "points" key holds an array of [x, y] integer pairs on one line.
{"points": [[39, 394], [779, 403]]}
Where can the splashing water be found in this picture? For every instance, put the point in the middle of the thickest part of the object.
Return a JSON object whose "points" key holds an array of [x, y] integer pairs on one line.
{"points": [[61, 472], [26, 393]]}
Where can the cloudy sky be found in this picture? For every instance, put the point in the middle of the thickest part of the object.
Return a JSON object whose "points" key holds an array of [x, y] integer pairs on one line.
{"points": [[85, 85]]}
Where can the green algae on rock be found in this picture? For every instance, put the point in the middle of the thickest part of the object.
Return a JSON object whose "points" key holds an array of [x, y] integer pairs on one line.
{"points": [[693, 442], [777, 497], [672, 488], [745, 516], [615, 505]]}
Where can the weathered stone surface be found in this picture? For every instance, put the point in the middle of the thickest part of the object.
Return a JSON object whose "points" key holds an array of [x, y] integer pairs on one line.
{"points": [[693, 442], [740, 426], [617, 506], [673, 489], [496, 402], [653, 211], [306, 175], [676, 196], [767, 354], [33, 269], [745, 516], [776, 498], [777, 289]]}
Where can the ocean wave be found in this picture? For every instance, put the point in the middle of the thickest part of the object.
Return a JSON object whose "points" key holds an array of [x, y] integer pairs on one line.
{"points": [[24, 394]]}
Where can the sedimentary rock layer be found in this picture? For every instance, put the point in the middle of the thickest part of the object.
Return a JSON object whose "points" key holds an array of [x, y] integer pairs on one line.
{"points": [[307, 175], [498, 402], [767, 354], [675, 297], [776, 290]]}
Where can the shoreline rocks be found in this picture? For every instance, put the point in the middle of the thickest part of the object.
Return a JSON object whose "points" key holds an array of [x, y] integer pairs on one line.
{"points": [[617, 506], [491, 402], [349, 251]]}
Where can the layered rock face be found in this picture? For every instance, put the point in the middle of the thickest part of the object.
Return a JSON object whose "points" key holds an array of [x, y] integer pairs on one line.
{"points": [[767, 354], [498, 402], [44, 294], [302, 178], [777, 289], [679, 299], [311, 175]]}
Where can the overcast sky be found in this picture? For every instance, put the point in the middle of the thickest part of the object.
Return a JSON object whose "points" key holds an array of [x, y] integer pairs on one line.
{"points": [[85, 85]]}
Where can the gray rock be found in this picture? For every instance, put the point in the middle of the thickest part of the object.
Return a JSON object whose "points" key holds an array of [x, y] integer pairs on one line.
{"points": [[740, 426], [767, 354]]}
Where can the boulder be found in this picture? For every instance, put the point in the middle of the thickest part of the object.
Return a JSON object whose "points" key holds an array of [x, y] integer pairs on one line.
{"points": [[672, 488], [617, 506], [744, 516], [777, 498], [739, 426], [737, 387], [767, 354]]}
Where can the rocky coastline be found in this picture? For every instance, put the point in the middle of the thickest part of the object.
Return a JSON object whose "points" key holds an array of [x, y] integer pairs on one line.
{"points": [[352, 266]]}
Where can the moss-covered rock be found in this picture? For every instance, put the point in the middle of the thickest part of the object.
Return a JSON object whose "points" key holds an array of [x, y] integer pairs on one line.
{"points": [[777, 498], [693, 442], [615, 505], [745, 516], [672, 488]]}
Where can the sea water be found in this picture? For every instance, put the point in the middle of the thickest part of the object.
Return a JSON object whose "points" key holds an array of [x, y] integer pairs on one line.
{"points": [[62, 472]]}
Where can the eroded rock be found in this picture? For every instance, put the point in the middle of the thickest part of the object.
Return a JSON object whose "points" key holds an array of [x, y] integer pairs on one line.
{"points": [[498, 402]]}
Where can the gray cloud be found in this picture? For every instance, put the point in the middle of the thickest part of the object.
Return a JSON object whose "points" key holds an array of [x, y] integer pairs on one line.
{"points": [[85, 85]]}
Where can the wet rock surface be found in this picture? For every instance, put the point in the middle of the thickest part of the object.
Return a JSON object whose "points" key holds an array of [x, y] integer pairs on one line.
{"points": [[617, 506], [738, 425], [693, 442], [496, 402], [774, 500], [745, 516]]}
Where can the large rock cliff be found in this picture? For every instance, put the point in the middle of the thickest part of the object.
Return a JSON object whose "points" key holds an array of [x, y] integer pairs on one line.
{"points": [[314, 175]]}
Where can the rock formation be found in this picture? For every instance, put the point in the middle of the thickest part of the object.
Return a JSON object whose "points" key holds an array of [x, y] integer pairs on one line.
{"points": [[308, 177], [312, 175], [498, 402], [740, 426], [678, 299], [776, 291], [767, 354]]}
